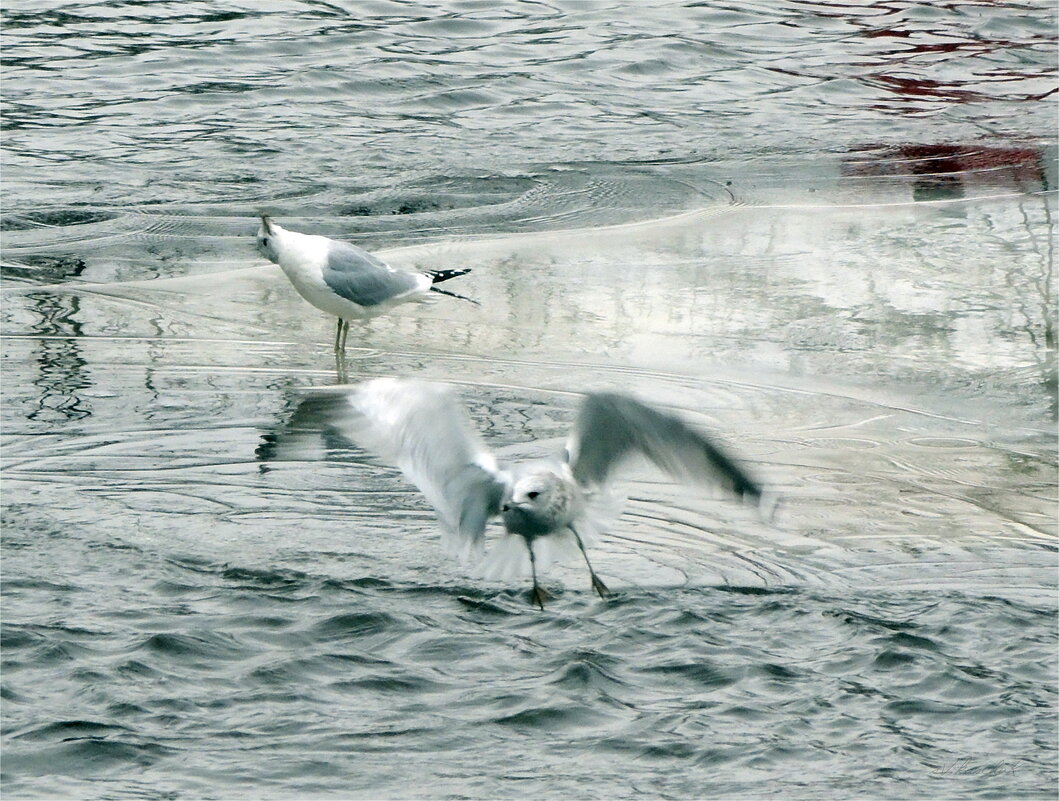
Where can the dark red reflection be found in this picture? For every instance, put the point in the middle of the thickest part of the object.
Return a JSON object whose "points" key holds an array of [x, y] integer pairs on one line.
{"points": [[910, 57], [947, 170]]}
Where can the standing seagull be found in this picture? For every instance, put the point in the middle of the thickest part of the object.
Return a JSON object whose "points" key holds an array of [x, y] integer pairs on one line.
{"points": [[424, 430], [345, 280]]}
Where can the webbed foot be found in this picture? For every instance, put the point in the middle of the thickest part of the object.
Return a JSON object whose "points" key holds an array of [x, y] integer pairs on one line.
{"points": [[539, 595], [599, 586]]}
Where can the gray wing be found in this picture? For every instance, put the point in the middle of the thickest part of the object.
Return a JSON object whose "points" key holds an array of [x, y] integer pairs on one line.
{"points": [[610, 428], [422, 429], [363, 278]]}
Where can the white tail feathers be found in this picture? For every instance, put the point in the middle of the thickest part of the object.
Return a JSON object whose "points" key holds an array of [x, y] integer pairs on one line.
{"points": [[507, 559], [509, 556]]}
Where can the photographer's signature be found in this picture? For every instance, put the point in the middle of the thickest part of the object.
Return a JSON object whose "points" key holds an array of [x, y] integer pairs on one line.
{"points": [[967, 766]]}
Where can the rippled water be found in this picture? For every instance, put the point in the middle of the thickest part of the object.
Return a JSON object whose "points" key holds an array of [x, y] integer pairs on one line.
{"points": [[824, 230]]}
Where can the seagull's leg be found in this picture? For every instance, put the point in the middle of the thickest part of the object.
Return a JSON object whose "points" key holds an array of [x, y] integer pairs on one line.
{"points": [[340, 349], [539, 594], [340, 367], [597, 583], [340, 335]]}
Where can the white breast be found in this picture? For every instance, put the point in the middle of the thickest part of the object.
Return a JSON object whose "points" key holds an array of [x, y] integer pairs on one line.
{"points": [[302, 258]]}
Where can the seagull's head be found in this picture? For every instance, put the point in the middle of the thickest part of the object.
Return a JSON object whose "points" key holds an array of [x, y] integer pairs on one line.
{"points": [[266, 239], [537, 504]]}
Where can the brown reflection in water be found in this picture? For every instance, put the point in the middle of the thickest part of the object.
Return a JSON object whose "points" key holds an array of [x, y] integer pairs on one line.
{"points": [[950, 171], [947, 171]]}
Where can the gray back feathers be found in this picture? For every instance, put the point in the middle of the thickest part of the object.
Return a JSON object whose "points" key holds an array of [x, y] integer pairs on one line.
{"points": [[362, 278]]}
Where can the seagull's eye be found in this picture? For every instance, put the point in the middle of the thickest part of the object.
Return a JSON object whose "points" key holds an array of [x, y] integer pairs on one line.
{"points": [[532, 495], [265, 241]]}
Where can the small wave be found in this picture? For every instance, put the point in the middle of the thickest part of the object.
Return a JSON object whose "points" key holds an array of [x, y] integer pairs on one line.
{"points": [[83, 756], [196, 649], [400, 684], [357, 625], [585, 672], [54, 218], [699, 674], [71, 730], [556, 718]]}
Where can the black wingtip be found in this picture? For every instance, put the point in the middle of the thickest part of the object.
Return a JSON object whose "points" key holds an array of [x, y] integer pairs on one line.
{"points": [[437, 276], [454, 295]]}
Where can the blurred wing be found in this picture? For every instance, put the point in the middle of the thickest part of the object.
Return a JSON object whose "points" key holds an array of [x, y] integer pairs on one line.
{"points": [[508, 556], [365, 279], [610, 428], [424, 430]]}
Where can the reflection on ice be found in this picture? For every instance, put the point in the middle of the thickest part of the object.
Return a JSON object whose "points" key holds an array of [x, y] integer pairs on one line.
{"points": [[946, 172], [890, 368]]}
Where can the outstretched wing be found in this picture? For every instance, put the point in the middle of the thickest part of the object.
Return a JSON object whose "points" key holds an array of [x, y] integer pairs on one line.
{"points": [[610, 428], [424, 430]]}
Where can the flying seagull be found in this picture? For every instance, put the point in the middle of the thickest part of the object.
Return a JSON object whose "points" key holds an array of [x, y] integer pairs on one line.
{"points": [[545, 506], [344, 280]]}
